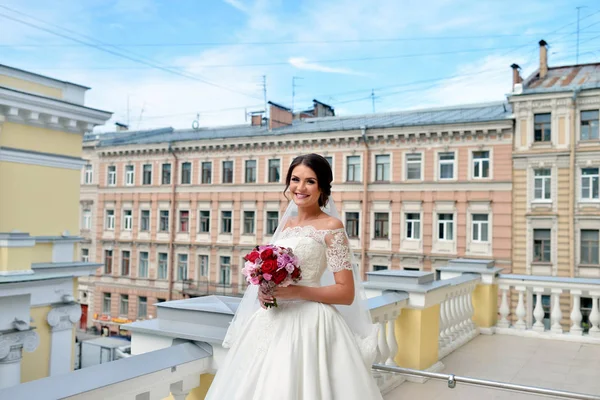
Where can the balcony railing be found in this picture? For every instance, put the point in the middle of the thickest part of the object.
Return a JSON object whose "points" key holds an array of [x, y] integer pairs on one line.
{"points": [[178, 351], [523, 312]]}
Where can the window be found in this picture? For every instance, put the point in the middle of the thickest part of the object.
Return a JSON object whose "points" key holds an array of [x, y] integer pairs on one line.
{"points": [[225, 271], [204, 221], [352, 224], [329, 160], [85, 255], [353, 169], [203, 265], [110, 219], [382, 168], [108, 260], [589, 247], [142, 307], [162, 265], [127, 220], [274, 170], [413, 166], [589, 183], [129, 175], [166, 174], [541, 245], [186, 173], [227, 172], [542, 128], [145, 220], [272, 221], [225, 221], [542, 184], [164, 221], [446, 169], [589, 125], [206, 172], [481, 164], [250, 171], [184, 221], [380, 267], [106, 304], [182, 267], [87, 220], [445, 226], [248, 222], [143, 265], [159, 300], [147, 174], [480, 227], [125, 262], [124, 306], [381, 225], [88, 175], [413, 226], [112, 175]]}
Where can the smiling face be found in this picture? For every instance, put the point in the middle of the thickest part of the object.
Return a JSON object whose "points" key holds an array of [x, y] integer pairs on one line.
{"points": [[304, 187]]}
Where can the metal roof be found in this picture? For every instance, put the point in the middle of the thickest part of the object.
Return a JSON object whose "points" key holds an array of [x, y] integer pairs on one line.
{"points": [[482, 112], [564, 78]]}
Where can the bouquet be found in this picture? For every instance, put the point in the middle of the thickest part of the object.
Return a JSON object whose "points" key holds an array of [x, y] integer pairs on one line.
{"points": [[271, 266]]}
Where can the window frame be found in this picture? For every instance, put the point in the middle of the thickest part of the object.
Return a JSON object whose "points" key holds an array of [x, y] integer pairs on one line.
{"points": [[128, 220], [546, 180], [161, 218], [183, 219], [130, 175], [111, 175], [202, 219], [542, 246], [108, 266], [482, 160], [106, 303], [166, 174], [109, 219], [586, 122], [384, 228], [589, 261], [182, 267], [223, 171], [478, 226], [246, 169], [442, 227], [148, 219], [186, 173], [412, 223], [408, 162], [224, 271], [147, 174], [590, 178], [206, 179], [441, 163], [270, 230], [356, 169], [124, 303], [88, 174], [383, 170], [230, 218], [246, 220], [125, 263], [162, 266], [143, 271], [352, 223], [543, 125]]}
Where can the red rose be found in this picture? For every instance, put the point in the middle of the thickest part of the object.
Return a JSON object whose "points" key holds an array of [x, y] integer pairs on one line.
{"points": [[279, 276], [269, 266], [266, 254], [296, 273], [252, 256]]}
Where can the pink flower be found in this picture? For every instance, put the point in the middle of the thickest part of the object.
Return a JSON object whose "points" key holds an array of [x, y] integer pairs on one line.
{"points": [[267, 277], [255, 280], [289, 268]]}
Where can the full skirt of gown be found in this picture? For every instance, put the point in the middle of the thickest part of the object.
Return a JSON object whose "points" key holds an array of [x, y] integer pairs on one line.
{"points": [[301, 350]]}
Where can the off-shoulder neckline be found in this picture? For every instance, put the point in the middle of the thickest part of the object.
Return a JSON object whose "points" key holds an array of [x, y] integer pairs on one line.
{"points": [[300, 227]]}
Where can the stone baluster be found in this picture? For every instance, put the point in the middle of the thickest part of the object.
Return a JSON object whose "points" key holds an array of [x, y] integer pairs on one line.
{"points": [[538, 312], [595, 316], [504, 308], [382, 343], [576, 317], [448, 330], [391, 340], [443, 325], [462, 312], [556, 314], [520, 311], [471, 310], [453, 317]]}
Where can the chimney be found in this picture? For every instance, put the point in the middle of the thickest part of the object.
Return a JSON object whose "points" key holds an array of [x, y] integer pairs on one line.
{"points": [[257, 118], [516, 75], [543, 59], [279, 116], [121, 127]]}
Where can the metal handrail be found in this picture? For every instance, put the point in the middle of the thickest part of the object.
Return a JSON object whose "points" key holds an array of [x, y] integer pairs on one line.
{"points": [[452, 380]]}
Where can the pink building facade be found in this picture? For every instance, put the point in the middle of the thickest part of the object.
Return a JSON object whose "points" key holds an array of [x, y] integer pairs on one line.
{"points": [[173, 212]]}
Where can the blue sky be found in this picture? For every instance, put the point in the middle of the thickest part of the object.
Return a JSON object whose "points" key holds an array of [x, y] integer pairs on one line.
{"points": [[412, 53]]}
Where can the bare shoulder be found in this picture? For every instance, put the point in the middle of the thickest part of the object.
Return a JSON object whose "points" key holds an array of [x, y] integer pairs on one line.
{"points": [[333, 223]]}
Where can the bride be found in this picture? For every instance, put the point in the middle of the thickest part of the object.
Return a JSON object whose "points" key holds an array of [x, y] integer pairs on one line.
{"points": [[319, 343]]}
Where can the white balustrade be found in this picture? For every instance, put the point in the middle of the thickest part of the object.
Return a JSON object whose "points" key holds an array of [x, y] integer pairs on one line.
{"points": [[529, 316], [456, 311]]}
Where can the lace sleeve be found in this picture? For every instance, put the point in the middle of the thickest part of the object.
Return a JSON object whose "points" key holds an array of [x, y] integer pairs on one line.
{"points": [[338, 251]]}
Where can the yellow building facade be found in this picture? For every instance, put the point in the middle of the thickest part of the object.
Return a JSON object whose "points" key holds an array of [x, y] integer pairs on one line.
{"points": [[42, 122]]}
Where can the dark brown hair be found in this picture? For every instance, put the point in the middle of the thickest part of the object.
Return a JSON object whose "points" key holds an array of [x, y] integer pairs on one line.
{"points": [[321, 168]]}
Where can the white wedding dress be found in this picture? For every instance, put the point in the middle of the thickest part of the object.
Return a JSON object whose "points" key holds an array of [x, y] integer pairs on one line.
{"points": [[301, 350]]}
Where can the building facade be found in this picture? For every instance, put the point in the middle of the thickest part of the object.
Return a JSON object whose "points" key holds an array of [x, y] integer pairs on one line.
{"points": [[173, 212], [556, 160], [42, 123]]}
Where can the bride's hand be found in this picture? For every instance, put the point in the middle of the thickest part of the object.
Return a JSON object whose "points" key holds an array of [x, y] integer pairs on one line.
{"points": [[264, 298]]}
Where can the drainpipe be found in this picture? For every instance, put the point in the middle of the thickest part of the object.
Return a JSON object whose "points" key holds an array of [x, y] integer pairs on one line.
{"points": [[172, 221], [573, 138], [365, 199]]}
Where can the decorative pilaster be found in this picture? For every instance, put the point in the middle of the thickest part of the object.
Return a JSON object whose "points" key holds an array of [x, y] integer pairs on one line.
{"points": [[11, 352], [61, 320]]}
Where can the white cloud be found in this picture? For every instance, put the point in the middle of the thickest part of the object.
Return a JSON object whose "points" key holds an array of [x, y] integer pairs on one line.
{"points": [[237, 4], [304, 63]]}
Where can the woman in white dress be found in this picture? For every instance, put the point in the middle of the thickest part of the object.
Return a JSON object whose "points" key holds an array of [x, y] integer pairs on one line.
{"points": [[319, 343]]}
